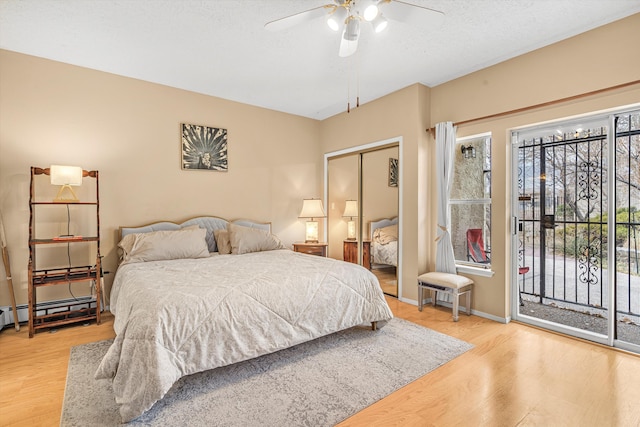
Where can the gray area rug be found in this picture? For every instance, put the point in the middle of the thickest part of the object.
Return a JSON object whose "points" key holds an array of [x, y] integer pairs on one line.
{"points": [[318, 383]]}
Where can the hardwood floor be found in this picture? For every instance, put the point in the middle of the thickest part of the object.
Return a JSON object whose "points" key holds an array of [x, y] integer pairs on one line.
{"points": [[387, 279], [33, 372], [515, 375]]}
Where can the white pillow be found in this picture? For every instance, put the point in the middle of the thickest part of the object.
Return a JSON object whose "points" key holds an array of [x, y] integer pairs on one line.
{"points": [[127, 242], [244, 240], [164, 245], [386, 234]]}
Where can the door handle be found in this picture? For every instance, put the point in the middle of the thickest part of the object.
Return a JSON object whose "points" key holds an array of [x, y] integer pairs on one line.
{"points": [[548, 221]]}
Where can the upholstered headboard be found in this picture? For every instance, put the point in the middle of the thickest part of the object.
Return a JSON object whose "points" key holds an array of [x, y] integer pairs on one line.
{"points": [[209, 223], [381, 223]]}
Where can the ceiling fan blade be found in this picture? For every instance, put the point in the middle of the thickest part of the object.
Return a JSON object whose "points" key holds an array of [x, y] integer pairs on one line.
{"points": [[411, 13], [347, 47], [299, 18]]}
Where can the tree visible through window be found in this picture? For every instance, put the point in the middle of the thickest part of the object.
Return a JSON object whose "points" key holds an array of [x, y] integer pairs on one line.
{"points": [[470, 201]]}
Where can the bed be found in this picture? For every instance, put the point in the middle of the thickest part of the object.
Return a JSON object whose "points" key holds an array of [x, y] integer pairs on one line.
{"points": [[384, 242], [183, 304]]}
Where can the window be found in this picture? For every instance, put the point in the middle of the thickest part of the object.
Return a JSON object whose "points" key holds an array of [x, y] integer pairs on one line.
{"points": [[470, 201]]}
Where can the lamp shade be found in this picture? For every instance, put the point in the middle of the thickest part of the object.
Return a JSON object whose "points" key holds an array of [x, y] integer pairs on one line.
{"points": [[350, 208], [312, 208], [65, 175]]}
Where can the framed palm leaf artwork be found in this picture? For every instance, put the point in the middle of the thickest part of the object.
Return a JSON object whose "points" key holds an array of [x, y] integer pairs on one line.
{"points": [[204, 148]]}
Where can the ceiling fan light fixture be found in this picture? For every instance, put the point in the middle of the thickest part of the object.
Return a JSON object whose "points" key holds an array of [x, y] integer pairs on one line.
{"points": [[337, 18], [379, 23], [371, 12], [347, 48], [352, 30]]}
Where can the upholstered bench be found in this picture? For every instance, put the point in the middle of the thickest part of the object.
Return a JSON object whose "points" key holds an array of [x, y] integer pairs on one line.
{"points": [[451, 284]]}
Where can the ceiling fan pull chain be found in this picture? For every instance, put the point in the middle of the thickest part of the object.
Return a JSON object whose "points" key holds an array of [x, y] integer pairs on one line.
{"points": [[357, 59], [348, 85]]}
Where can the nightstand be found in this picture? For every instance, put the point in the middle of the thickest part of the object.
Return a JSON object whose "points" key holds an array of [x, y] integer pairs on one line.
{"points": [[350, 252], [319, 248]]}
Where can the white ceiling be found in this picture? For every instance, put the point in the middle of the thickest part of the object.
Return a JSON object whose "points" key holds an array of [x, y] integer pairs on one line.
{"points": [[220, 47]]}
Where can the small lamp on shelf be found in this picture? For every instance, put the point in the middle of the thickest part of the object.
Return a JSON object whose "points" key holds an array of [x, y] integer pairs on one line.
{"points": [[351, 210], [312, 208], [66, 177]]}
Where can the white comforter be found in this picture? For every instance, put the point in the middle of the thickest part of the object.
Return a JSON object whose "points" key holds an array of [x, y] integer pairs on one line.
{"points": [[385, 253], [175, 318]]}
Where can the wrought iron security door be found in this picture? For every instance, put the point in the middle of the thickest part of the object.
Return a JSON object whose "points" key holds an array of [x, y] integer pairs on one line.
{"points": [[568, 175]]}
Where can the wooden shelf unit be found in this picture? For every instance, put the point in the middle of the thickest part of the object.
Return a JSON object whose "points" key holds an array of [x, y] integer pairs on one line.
{"points": [[48, 315], [63, 240]]}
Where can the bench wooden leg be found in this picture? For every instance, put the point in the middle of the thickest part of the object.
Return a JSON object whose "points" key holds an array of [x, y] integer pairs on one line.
{"points": [[456, 303]]}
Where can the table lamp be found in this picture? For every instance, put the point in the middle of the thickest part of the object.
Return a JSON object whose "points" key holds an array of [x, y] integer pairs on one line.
{"points": [[312, 208], [351, 210], [66, 177]]}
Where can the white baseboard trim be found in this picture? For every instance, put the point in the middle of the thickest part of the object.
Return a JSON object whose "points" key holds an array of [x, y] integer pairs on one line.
{"points": [[462, 310], [6, 318]]}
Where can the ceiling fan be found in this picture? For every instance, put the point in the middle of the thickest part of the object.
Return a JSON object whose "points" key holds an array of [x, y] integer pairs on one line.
{"points": [[347, 15]]}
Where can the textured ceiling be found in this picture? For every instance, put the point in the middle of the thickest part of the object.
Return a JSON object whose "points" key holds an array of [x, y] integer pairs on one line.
{"points": [[220, 47]]}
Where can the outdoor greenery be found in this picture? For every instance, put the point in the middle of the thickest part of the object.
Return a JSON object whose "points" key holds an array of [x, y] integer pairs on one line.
{"points": [[588, 241]]}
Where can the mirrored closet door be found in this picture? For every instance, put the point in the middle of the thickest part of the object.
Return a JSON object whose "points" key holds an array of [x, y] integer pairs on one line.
{"points": [[362, 211]]}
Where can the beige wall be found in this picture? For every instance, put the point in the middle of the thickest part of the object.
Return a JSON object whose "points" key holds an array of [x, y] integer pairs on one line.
{"points": [[595, 60], [523, 81], [129, 130]]}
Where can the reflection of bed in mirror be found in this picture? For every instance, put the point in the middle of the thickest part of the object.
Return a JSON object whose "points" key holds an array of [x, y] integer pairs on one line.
{"points": [[384, 242]]}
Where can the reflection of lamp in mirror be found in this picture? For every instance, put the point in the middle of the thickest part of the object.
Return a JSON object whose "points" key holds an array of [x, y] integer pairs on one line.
{"points": [[312, 208], [351, 210], [468, 152], [66, 177]]}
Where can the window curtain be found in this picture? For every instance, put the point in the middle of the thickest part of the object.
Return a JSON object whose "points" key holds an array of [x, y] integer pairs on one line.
{"points": [[445, 146]]}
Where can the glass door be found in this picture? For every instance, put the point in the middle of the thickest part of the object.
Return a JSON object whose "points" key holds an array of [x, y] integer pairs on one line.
{"points": [[627, 230], [574, 274]]}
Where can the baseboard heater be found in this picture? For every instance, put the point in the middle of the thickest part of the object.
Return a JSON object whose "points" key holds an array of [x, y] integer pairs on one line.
{"points": [[51, 307]]}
